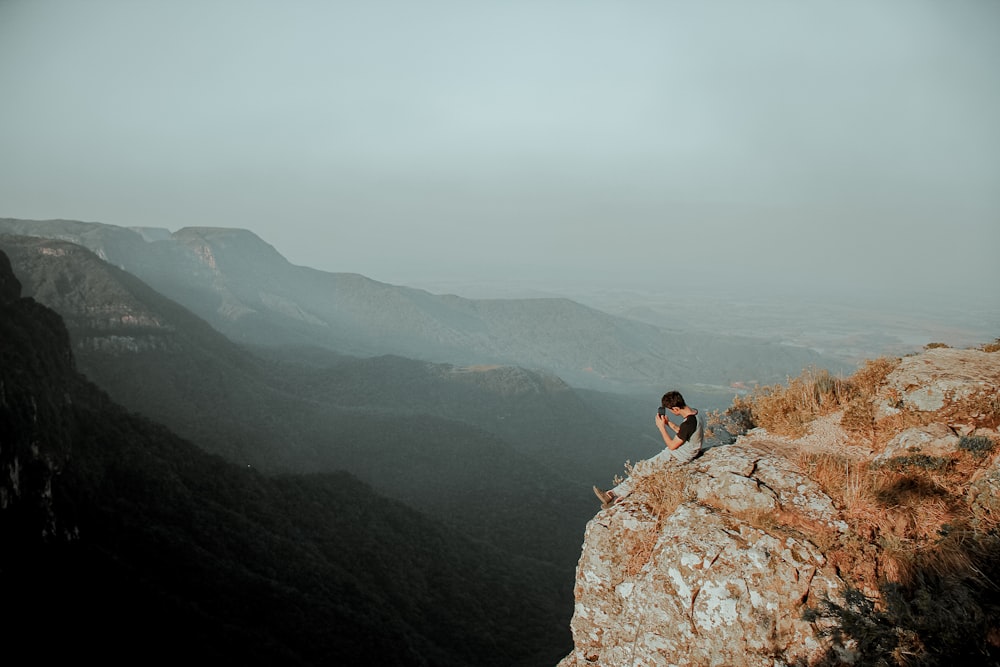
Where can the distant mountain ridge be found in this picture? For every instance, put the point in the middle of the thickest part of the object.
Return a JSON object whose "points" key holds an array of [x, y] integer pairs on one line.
{"points": [[476, 447], [246, 289]]}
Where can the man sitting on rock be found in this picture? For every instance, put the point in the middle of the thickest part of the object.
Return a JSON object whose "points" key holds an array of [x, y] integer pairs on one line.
{"points": [[681, 447]]}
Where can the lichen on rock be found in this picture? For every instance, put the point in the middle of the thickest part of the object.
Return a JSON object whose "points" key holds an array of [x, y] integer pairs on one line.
{"points": [[825, 547]]}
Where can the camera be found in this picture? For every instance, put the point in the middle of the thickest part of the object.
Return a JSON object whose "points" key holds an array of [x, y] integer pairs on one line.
{"points": [[662, 412]]}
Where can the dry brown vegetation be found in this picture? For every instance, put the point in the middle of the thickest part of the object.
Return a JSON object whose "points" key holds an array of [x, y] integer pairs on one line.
{"points": [[913, 536], [663, 491], [906, 508], [788, 409], [906, 518]]}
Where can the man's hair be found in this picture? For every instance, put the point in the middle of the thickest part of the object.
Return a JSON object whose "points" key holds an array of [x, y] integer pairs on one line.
{"points": [[672, 399]]}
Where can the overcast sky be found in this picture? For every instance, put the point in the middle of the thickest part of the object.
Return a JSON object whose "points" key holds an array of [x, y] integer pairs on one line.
{"points": [[837, 145]]}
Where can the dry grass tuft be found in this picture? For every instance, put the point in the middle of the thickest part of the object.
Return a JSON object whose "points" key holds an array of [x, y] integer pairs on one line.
{"points": [[838, 476], [789, 524], [664, 491], [859, 419], [896, 561], [906, 518], [788, 409], [867, 379], [859, 412]]}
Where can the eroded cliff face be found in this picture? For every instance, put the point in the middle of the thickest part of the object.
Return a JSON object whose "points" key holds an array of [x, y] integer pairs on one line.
{"points": [[718, 561], [35, 425], [104, 307]]}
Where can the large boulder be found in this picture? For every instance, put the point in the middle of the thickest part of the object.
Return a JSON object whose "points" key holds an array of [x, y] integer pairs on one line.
{"points": [[940, 380]]}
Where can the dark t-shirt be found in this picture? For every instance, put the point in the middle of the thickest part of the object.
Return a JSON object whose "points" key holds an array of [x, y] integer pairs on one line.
{"points": [[692, 432], [687, 428]]}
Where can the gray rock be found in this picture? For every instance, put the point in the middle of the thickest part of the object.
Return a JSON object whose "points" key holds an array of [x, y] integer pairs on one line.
{"points": [[743, 478], [930, 440], [930, 381], [704, 586]]}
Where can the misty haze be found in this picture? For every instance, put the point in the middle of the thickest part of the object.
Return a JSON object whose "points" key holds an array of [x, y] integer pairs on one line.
{"points": [[321, 323]]}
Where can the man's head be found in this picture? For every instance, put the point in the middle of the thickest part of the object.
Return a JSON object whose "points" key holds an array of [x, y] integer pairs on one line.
{"points": [[672, 400]]}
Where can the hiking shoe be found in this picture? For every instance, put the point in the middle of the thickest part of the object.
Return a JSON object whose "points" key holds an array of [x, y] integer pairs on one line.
{"points": [[606, 498]]}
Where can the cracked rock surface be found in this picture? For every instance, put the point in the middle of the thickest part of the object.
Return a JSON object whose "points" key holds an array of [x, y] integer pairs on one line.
{"points": [[704, 585], [932, 380], [743, 478]]}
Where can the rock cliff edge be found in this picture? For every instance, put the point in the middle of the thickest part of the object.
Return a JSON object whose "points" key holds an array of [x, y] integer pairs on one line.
{"points": [[739, 557]]}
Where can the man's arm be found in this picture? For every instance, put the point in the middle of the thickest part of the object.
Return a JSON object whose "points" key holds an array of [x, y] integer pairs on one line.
{"points": [[671, 441]]}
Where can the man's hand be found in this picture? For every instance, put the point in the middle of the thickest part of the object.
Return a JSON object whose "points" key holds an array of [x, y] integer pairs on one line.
{"points": [[662, 422]]}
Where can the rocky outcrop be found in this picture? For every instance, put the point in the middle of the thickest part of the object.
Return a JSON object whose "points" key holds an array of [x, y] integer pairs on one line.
{"points": [[715, 581], [743, 478], [942, 380], [725, 561], [35, 419]]}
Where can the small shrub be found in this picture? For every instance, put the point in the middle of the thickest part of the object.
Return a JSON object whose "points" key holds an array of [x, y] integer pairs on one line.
{"points": [[665, 490], [932, 346], [991, 347], [874, 632], [900, 463], [720, 427], [976, 444]]}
